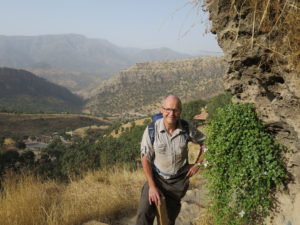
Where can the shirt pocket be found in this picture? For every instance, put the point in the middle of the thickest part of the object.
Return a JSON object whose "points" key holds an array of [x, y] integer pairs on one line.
{"points": [[182, 150], [161, 149]]}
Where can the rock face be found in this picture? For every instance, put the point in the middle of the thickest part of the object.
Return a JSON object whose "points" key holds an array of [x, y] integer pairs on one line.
{"points": [[264, 70]]}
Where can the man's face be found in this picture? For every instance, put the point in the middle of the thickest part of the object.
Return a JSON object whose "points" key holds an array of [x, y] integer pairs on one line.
{"points": [[171, 110]]}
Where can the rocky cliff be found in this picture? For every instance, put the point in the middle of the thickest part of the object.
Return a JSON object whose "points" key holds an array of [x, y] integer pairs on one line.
{"points": [[261, 42]]}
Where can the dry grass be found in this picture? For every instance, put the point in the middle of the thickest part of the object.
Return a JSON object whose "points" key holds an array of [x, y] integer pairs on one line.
{"points": [[83, 131], [25, 200], [117, 133], [100, 195], [277, 20], [203, 219], [280, 21]]}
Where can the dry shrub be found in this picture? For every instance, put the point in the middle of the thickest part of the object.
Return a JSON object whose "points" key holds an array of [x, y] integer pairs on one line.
{"points": [[100, 195], [277, 20], [203, 219], [280, 20]]}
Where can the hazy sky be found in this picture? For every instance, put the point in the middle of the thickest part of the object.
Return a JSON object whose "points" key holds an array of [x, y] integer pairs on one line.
{"points": [[126, 23]]}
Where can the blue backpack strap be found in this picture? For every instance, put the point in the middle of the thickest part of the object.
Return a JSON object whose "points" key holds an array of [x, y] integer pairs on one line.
{"points": [[157, 116], [151, 131], [151, 128], [185, 130]]}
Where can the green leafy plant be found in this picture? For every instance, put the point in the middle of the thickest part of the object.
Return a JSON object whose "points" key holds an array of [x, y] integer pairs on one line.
{"points": [[190, 109], [216, 102], [244, 169]]}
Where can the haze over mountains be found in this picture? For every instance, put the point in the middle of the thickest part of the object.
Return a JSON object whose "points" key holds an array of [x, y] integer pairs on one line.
{"points": [[73, 60]]}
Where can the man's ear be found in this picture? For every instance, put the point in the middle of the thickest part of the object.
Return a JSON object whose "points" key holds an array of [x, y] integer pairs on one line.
{"points": [[161, 109]]}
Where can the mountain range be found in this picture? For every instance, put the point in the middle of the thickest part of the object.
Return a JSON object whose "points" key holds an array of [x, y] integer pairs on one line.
{"points": [[73, 60]]}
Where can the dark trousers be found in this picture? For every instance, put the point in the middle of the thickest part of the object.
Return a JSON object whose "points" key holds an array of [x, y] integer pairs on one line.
{"points": [[173, 190]]}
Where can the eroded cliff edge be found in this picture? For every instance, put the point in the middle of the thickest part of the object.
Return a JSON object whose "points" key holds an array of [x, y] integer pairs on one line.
{"points": [[261, 43]]}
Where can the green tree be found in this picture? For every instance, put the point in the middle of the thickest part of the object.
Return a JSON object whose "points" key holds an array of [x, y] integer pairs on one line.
{"points": [[27, 159], [20, 144], [192, 108], [8, 160], [78, 157]]}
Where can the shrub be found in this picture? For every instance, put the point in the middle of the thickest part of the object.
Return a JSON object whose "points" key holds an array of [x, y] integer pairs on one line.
{"points": [[190, 109], [216, 102], [1, 140], [244, 167], [27, 159], [20, 145], [79, 157], [9, 158]]}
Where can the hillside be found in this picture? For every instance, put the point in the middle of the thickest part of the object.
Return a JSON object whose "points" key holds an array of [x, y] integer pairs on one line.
{"points": [[261, 42], [140, 88], [73, 60], [21, 90]]}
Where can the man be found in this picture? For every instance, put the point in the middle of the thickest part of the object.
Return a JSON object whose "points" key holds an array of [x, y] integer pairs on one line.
{"points": [[165, 163]]}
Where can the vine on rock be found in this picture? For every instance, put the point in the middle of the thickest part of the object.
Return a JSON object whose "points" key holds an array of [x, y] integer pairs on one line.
{"points": [[244, 167]]}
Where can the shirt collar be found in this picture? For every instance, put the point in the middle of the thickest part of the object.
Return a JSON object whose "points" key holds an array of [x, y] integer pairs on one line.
{"points": [[161, 126]]}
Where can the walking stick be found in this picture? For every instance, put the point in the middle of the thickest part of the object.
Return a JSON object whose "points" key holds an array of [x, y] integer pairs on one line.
{"points": [[162, 214]]}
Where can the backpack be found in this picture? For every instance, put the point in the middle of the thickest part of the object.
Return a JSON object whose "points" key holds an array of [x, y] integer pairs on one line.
{"points": [[151, 129]]}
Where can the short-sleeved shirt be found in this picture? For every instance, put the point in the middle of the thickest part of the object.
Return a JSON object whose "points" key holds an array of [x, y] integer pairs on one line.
{"points": [[169, 153]]}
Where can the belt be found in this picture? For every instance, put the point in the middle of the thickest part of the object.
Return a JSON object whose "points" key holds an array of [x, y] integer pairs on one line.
{"points": [[167, 175], [162, 173]]}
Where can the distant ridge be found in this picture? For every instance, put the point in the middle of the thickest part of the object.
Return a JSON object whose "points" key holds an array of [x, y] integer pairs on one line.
{"points": [[139, 89], [23, 91], [73, 60]]}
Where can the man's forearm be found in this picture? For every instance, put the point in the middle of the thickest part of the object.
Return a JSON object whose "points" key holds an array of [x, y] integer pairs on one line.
{"points": [[154, 193], [199, 158]]}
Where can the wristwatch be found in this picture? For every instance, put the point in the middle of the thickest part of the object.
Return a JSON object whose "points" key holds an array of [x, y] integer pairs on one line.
{"points": [[199, 163]]}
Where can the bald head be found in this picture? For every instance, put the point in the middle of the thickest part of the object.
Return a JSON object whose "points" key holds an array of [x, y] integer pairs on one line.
{"points": [[172, 98], [171, 110]]}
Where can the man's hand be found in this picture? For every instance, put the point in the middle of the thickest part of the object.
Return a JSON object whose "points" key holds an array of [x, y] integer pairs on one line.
{"points": [[154, 195], [194, 168]]}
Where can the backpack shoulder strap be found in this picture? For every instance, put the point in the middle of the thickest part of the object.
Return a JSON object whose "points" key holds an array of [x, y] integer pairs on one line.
{"points": [[186, 130], [151, 131], [151, 128]]}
